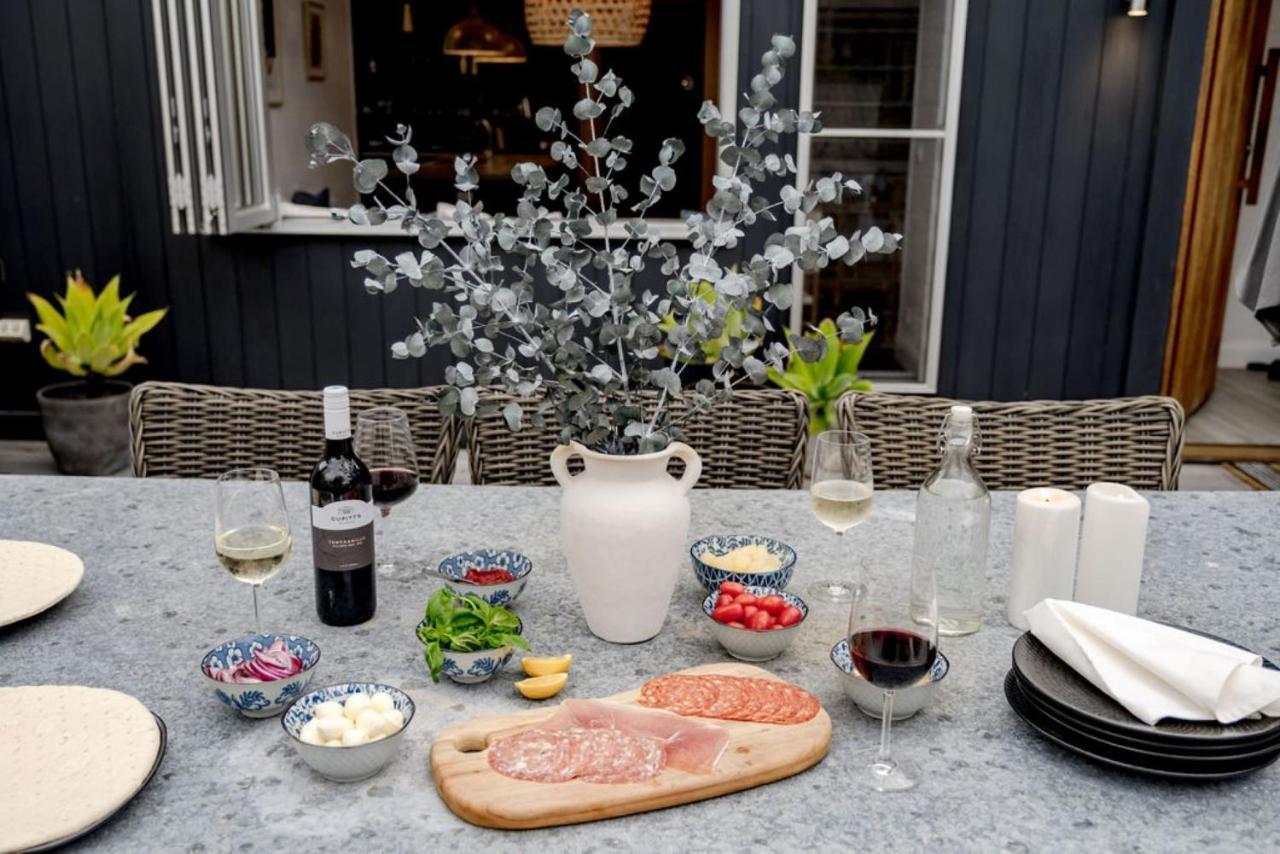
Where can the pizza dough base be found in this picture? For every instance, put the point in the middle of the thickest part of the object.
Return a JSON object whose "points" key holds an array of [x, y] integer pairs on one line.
{"points": [[35, 576], [71, 757]]}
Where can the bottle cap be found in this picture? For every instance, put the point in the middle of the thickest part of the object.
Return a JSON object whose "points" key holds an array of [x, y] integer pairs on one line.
{"points": [[961, 415], [337, 412]]}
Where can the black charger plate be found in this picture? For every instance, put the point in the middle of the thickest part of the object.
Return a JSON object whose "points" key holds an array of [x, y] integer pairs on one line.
{"points": [[1171, 769], [1145, 752], [1050, 678]]}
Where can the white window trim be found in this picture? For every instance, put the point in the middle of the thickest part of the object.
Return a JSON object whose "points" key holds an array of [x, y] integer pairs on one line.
{"points": [[947, 135], [666, 228]]}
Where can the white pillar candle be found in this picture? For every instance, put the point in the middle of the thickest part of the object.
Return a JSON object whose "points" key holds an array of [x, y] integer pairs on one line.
{"points": [[1044, 549], [1112, 541]]}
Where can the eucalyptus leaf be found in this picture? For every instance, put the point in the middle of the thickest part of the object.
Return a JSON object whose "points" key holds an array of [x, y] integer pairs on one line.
{"points": [[367, 174]]}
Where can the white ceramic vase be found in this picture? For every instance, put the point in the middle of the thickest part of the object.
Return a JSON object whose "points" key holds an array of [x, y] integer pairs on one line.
{"points": [[624, 522]]}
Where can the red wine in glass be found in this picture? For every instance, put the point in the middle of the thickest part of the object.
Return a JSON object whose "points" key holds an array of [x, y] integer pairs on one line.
{"points": [[891, 658], [392, 485]]}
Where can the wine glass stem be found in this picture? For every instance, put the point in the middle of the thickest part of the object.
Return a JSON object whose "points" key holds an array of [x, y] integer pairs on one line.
{"points": [[381, 555], [257, 620], [886, 720]]}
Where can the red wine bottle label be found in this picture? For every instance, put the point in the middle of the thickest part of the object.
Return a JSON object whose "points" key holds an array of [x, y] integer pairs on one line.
{"points": [[342, 535]]}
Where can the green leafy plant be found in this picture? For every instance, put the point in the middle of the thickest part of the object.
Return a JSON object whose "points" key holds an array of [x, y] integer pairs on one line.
{"points": [[709, 349], [93, 336], [823, 382], [594, 357], [465, 624]]}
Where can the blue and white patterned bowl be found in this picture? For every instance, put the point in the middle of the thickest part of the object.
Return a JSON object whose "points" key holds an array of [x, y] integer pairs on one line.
{"points": [[468, 668], [756, 644], [870, 699], [259, 699], [710, 576], [456, 566], [345, 764]]}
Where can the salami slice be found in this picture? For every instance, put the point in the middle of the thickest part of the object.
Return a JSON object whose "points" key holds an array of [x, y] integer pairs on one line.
{"points": [[534, 754], [619, 757], [600, 755]]}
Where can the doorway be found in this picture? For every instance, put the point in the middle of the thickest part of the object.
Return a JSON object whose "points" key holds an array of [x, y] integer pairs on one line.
{"points": [[1233, 428]]}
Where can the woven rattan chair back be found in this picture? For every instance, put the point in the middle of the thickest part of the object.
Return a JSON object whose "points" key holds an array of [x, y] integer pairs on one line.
{"points": [[1069, 444], [755, 440], [182, 430]]}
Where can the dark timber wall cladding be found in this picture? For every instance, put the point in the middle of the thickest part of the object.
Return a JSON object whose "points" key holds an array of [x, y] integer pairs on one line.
{"points": [[1075, 128]]}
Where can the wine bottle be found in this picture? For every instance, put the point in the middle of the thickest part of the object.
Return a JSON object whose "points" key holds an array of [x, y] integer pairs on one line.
{"points": [[342, 515]]}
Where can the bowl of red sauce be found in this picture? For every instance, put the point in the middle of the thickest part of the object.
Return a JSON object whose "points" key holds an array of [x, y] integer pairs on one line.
{"points": [[498, 576]]}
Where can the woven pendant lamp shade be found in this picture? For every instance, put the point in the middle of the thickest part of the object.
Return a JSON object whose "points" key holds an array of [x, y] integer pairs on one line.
{"points": [[614, 23]]}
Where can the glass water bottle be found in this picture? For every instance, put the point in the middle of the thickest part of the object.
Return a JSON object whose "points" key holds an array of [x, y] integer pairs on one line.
{"points": [[953, 517]]}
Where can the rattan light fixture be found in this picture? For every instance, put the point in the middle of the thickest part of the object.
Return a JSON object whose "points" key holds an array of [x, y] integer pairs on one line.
{"points": [[614, 23]]}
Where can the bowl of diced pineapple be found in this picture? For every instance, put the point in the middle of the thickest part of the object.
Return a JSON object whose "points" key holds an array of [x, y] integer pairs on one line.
{"points": [[748, 559]]}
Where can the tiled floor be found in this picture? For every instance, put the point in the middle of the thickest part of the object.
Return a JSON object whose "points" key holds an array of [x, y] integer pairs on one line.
{"points": [[1244, 409], [1208, 477]]}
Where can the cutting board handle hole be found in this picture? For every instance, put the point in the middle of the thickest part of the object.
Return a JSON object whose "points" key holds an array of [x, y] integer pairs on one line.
{"points": [[469, 743]]}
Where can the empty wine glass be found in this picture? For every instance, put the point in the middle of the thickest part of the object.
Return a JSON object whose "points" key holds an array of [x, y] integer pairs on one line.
{"points": [[891, 649], [841, 491], [251, 528], [384, 442]]}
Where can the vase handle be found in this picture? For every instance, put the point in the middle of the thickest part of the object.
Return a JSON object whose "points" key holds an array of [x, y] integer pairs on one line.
{"points": [[692, 465], [560, 464]]}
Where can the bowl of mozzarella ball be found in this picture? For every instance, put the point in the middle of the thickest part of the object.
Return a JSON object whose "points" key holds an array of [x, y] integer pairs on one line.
{"points": [[350, 731]]}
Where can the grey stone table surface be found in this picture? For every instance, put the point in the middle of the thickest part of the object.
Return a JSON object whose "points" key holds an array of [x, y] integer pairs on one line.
{"points": [[154, 600]]}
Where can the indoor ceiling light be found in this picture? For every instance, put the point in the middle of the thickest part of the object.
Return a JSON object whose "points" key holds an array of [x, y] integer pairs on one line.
{"points": [[473, 36], [1137, 8]]}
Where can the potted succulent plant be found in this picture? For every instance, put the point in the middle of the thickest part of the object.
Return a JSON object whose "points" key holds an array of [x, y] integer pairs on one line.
{"points": [[828, 379], [602, 362], [86, 421]]}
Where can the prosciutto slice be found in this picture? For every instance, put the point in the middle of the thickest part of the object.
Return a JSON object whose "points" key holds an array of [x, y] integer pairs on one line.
{"points": [[691, 746]]}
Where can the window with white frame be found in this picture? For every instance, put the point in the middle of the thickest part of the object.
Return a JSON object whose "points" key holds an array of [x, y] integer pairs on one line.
{"points": [[885, 75], [242, 80]]}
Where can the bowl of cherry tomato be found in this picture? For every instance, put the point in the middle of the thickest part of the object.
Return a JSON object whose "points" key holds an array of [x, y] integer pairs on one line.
{"points": [[754, 623], [498, 576]]}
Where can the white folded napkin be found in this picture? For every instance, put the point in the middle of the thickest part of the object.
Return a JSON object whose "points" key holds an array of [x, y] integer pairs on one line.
{"points": [[1156, 671]]}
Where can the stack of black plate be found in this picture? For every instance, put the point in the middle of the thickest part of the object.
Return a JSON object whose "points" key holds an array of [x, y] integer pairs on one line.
{"points": [[1063, 707]]}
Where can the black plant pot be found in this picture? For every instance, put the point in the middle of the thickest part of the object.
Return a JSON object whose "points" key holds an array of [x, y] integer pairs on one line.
{"points": [[87, 435]]}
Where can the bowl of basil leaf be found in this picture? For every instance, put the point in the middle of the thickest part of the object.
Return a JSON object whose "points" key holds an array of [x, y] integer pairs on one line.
{"points": [[466, 638]]}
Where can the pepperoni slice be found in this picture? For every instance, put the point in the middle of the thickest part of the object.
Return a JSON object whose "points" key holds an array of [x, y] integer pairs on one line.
{"points": [[731, 698], [682, 694]]}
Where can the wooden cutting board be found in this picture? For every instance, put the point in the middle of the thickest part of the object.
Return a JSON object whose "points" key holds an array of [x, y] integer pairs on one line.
{"points": [[756, 754]]}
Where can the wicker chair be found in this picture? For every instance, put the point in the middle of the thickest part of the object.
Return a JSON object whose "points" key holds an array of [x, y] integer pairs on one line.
{"points": [[1069, 444], [184, 430], [756, 440]]}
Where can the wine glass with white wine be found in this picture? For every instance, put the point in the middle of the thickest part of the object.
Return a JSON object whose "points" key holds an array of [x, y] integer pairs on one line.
{"points": [[841, 492], [251, 528]]}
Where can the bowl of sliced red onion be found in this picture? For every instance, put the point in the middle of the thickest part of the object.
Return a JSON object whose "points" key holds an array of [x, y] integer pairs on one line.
{"points": [[259, 675]]}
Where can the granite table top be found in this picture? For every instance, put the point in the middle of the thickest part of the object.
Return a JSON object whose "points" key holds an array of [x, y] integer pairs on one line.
{"points": [[154, 599]]}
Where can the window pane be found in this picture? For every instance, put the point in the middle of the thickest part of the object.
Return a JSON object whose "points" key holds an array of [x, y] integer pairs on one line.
{"points": [[882, 63], [899, 179]]}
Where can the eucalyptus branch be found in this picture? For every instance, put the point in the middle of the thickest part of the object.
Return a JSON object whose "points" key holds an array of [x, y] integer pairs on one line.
{"points": [[563, 349]]}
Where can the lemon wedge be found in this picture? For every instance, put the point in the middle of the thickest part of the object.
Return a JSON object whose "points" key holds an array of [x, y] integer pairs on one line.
{"points": [[542, 687], [546, 666]]}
